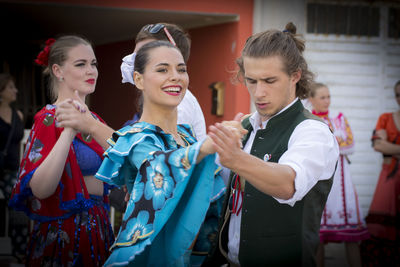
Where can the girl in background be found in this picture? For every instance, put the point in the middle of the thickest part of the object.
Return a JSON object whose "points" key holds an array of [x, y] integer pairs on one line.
{"points": [[342, 220]]}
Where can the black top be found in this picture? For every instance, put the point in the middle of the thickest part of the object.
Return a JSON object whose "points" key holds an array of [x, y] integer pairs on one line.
{"points": [[11, 161]]}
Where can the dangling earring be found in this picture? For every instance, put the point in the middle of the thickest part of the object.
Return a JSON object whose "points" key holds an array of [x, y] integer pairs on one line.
{"points": [[60, 79]]}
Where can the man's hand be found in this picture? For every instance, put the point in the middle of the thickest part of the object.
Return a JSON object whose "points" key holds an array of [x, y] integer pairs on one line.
{"points": [[236, 126], [227, 140]]}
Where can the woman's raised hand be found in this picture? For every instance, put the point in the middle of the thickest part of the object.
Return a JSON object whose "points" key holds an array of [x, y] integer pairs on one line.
{"points": [[73, 113], [236, 127]]}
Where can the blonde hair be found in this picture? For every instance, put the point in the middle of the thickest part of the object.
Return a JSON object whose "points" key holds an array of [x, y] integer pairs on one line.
{"points": [[314, 87], [58, 55]]}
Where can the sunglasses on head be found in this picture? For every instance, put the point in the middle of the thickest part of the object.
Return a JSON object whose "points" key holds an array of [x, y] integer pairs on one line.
{"points": [[155, 28]]}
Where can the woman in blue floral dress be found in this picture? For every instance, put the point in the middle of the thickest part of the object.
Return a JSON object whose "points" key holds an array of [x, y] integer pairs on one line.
{"points": [[171, 178]]}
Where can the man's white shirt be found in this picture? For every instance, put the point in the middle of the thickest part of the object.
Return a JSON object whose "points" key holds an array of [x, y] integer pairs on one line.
{"points": [[312, 153]]}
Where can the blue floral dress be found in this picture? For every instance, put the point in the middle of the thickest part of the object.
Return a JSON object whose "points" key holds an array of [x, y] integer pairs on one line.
{"points": [[169, 194]]}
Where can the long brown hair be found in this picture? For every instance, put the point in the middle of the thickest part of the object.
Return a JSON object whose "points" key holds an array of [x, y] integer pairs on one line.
{"points": [[285, 44]]}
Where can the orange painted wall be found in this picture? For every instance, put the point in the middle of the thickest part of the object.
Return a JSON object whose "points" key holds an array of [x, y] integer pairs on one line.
{"points": [[214, 51], [216, 6]]}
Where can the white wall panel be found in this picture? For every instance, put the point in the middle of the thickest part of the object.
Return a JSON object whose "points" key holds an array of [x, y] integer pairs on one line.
{"points": [[360, 73]]}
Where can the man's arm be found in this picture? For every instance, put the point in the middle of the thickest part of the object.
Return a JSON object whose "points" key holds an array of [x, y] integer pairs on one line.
{"points": [[311, 156], [270, 178]]}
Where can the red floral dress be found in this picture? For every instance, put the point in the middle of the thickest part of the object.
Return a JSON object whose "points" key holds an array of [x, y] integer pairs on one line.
{"points": [[71, 227]]}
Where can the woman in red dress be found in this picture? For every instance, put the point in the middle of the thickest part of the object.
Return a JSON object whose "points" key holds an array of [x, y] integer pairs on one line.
{"points": [[383, 219], [56, 187]]}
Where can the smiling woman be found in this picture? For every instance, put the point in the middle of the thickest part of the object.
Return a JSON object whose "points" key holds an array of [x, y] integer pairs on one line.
{"points": [[171, 178], [162, 82]]}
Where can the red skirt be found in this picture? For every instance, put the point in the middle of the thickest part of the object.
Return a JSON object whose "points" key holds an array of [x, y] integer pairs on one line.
{"points": [[80, 240], [383, 220], [384, 212]]}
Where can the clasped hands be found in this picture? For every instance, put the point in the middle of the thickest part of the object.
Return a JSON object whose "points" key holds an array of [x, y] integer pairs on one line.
{"points": [[72, 113], [227, 140]]}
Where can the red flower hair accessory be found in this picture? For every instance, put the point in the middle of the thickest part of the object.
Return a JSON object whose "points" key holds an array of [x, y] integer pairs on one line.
{"points": [[43, 57]]}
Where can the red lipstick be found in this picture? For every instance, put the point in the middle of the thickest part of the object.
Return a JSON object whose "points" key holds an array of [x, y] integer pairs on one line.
{"points": [[90, 81]]}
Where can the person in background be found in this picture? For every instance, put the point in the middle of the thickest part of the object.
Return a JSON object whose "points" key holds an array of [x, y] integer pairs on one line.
{"points": [[11, 134], [171, 178], [11, 131], [281, 178], [383, 248], [342, 219], [189, 110], [56, 187]]}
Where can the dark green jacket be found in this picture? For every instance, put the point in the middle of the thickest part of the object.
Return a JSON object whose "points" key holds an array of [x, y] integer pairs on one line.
{"points": [[274, 234]]}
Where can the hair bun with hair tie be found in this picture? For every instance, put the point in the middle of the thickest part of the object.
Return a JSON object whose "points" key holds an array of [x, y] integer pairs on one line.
{"points": [[290, 28], [43, 57]]}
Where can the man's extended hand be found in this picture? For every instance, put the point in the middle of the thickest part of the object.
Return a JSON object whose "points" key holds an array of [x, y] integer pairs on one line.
{"points": [[227, 140]]}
